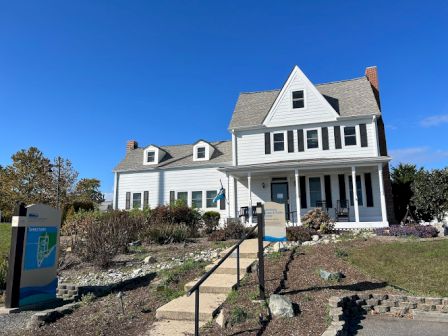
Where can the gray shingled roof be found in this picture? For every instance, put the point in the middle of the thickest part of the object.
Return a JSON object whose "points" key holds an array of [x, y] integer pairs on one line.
{"points": [[353, 97], [176, 156]]}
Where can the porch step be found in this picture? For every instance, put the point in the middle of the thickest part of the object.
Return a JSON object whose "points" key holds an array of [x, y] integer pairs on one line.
{"points": [[172, 328], [182, 308], [229, 266], [216, 284], [248, 249]]}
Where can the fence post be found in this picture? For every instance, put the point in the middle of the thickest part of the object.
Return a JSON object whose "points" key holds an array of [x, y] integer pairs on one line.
{"points": [[260, 221]]}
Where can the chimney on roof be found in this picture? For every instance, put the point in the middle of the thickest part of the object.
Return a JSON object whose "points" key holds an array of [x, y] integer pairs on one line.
{"points": [[372, 77], [131, 145]]}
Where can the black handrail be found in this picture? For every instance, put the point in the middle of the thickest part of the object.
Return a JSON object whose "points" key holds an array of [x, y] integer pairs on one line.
{"points": [[195, 288]]}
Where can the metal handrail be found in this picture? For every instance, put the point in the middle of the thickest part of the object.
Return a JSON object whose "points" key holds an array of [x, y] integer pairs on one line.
{"points": [[195, 288]]}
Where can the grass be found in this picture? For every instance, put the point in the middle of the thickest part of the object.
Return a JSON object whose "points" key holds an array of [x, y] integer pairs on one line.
{"points": [[5, 238], [421, 267]]}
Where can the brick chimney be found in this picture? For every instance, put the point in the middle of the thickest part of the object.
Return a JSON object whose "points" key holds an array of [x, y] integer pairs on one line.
{"points": [[131, 145], [372, 77]]}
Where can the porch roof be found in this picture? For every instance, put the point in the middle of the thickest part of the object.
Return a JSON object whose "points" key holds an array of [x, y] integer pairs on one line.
{"points": [[309, 164]]}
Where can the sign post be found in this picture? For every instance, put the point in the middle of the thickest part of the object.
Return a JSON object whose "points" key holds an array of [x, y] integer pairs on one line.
{"points": [[32, 272]]}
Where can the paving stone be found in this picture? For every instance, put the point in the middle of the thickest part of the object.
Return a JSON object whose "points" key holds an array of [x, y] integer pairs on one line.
{"points": [[398, 298], [389, 303], [433, 301], [416, 299], [381, 309], [380, 296], [373, 302], [426, 307], [429, 316], [408, 305], [399, 311], [442, 308]]}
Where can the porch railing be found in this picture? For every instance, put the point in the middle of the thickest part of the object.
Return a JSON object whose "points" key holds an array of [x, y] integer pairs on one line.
{"points": [[196, 288]]}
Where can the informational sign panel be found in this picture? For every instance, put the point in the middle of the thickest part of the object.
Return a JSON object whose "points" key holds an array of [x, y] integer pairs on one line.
{"points": [[32, 278], [274, 222]]}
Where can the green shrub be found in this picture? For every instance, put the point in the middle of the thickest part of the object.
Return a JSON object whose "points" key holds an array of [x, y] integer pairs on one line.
{"points": [[211, 221], [167, 233], [319, 220], [3, 271], [299, 233], [238, 315], [232, 230]]}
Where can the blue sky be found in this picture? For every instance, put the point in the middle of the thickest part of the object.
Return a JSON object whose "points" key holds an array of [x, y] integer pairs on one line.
{"points": [[80, 78]]}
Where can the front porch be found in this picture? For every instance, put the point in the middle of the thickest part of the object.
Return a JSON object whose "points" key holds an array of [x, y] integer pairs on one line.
{"points": [[303, 186]]}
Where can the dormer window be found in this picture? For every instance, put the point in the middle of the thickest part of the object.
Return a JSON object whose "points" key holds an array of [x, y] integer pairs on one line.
{"points": [[150, 157], [200, 153], [298, 99]]}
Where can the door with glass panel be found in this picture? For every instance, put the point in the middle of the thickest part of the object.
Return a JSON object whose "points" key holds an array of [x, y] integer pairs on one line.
{"points": [[315, 191]]}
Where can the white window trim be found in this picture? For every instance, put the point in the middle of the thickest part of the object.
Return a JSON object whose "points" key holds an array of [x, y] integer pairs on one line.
{"points": [[319, 139], [157, 155], [202, 198], [285, 142], [304, 100], [188, 196], [132, 200], [217, 203], [208, 151], [357, 136]]}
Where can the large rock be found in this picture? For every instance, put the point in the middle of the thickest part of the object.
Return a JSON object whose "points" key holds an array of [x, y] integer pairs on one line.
{"points": [[149, 260], [330, 275], [280, 305]]}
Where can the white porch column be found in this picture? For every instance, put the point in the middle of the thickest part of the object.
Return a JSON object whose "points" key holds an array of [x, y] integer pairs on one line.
{"points": [[249, 187], [296, 174], [355, 194], [383, 197], [228, 195]]}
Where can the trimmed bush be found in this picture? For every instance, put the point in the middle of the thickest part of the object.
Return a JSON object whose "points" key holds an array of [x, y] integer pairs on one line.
{"points": [[167, 233], [319, 220], [420, 231], [299, 233], [211, 221]]}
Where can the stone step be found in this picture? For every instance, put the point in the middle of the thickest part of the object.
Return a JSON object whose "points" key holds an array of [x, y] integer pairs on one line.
{"points": [[248, 249], [229, 266], [216, 284], [172, 328], [182, 308], [429, 316]]}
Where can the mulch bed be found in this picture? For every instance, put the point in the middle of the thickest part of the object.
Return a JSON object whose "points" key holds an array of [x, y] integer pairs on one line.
{"points": [[304, 287]]}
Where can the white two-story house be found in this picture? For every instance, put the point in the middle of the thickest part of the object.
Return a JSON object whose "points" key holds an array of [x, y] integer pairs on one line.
{"points": [[304, 145]]}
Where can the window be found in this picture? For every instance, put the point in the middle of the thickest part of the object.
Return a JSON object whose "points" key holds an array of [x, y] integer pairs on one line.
{"points": [[211, 194], [350, 136], [150, 156], [136, 200], [279, 142], [315, 191], [312, 139], [298, 99], [358, 190], [196, 199], [200, 154], [183, 196]]}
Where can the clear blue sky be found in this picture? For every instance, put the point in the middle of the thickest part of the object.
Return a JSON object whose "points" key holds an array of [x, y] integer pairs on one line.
{"points": [[80, 78]]}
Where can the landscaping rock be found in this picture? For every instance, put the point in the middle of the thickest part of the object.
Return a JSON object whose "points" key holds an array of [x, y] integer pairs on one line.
{"points": [[149, 260], [221, 320], [315, 237], [280, 305], [330, 275]]}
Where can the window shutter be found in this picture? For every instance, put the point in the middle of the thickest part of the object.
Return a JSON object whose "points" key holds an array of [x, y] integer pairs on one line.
{"points": [[325, 144], [172, 197], [303, 202], [290, 142], [267, 143], [342, 193], [327, 180], [369, 193], [300, 140], [222, 202], [363, 132], [337, 137], [145, 199], [128, 201]]}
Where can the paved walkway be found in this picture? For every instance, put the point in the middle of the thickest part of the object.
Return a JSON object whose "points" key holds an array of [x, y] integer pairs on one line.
{"points": [[381, 326]]}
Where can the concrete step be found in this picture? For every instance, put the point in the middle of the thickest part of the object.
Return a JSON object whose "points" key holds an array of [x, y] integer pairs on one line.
{"points": [[182, 308], [216, 284], [172, 328], [429, 316], [229, 266], [248, 249]]}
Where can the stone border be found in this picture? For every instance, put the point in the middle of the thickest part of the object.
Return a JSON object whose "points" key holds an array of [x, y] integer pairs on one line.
{"points": [[343, 309], [51, 315], [67, 291]]}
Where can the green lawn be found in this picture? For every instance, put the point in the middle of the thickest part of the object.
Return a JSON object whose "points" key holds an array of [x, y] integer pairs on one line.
{"points": [[420, 267], [5, 238]]}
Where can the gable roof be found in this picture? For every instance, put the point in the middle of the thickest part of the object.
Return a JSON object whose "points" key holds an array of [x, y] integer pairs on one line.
{"points": [[353, 97], [176, 156]]}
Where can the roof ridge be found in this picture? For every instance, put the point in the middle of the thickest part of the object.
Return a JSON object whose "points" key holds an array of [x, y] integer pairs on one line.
{"points": [[189, 144]]}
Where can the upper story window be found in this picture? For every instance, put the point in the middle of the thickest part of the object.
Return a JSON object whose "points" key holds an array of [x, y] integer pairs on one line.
{"points": [[298, 99], [312, 139], [350, 135], [279, 142], [200, 154], [150, 156]]}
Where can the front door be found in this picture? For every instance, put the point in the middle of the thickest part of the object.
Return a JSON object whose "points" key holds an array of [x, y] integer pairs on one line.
{"points": [[280, 194]]}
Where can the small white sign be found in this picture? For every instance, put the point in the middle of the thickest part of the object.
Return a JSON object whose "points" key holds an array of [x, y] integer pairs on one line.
{"points": [[274, 222]]}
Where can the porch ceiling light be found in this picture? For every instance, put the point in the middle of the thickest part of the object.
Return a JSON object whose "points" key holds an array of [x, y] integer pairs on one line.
{"points": [[263, 185]]}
